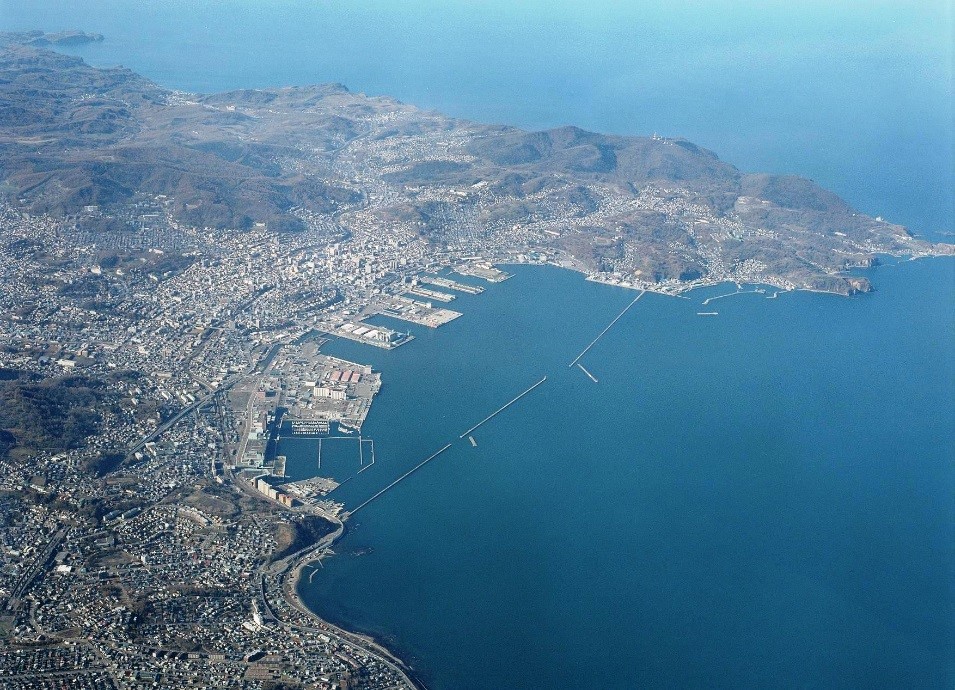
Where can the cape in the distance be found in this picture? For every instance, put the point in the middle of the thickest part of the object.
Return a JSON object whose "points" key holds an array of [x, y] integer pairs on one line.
{"points": [[200, 299], [94, 145]]}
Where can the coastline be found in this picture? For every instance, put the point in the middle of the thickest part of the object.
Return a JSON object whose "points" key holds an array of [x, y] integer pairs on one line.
{"points": [[348, 630], [287, 574], [681, 288], [292, 571]]}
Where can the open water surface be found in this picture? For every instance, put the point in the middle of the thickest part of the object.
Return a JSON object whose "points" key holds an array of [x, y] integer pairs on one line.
{"points": [[757, 499], [856, 94], [761, 498]]}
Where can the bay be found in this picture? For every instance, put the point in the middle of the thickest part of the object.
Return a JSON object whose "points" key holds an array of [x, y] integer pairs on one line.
{"points": [[759, 498]]}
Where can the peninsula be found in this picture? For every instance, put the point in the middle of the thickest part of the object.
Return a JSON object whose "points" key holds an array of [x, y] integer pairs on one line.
{"points": [[170, 264]]}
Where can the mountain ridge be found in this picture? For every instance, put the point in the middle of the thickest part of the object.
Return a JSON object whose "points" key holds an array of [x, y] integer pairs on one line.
{"points": [[643, 210]]}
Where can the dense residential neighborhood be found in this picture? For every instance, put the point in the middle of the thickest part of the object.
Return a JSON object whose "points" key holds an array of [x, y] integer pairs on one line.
{"points": [[151, 337]]}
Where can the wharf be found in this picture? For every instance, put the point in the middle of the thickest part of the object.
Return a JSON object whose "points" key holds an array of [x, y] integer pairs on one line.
{"points": [[378, 336], [451, 285], [406, 309], [431, 294], [489, 273]]}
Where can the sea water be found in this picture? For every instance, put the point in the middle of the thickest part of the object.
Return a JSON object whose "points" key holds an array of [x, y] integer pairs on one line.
{"points": [[855, 95], [758, 498]]}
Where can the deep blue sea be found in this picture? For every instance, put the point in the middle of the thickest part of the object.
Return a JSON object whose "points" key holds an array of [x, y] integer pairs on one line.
{"points": [[757, 499], [762, 498]]}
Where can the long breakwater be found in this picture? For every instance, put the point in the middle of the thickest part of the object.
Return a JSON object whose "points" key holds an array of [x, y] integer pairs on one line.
{"points": [[609, 326]]}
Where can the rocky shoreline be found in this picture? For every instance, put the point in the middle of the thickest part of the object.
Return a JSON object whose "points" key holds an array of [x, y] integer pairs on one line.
{"points": [[288, 573]]}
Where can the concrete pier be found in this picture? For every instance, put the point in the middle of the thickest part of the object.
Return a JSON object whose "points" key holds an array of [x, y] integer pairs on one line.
{"points": [[402, 477], [428, 293], [502, 408], [591, 376], [451, 284], [609, 326]]}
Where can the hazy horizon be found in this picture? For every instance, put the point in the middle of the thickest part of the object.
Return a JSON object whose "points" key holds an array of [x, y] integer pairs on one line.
{"points": [[855, 97]]}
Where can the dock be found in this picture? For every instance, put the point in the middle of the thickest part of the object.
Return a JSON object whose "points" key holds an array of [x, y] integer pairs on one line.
{"points": [[428, 293], [501, 409], [483, 270], [378, 336], [412, 311], [451, 285], [609, 326], [707, 313], [308, 427]]}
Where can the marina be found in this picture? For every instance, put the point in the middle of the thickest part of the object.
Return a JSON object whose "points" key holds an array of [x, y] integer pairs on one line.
{"points": [[361, 444], [300, 395], [308, 427]]}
